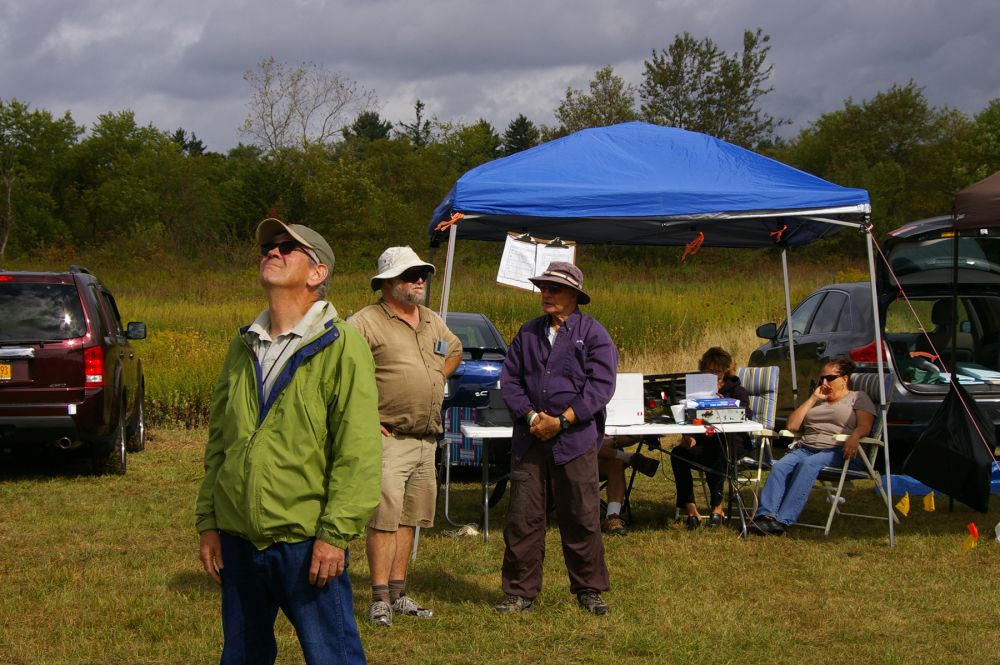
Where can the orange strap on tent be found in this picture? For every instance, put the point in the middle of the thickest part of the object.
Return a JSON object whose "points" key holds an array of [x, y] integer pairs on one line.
{"points": [[692, 247], [779, 232], [899, 295], [454, 218], [923, 354]]}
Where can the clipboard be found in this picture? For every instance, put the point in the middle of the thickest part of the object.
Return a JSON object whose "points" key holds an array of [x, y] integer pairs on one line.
{"points": [[525, 256]]}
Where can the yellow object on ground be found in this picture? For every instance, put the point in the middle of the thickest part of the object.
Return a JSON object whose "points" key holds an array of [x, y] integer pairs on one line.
{"points": [[929, 502], [904, 505], [971, 540]]}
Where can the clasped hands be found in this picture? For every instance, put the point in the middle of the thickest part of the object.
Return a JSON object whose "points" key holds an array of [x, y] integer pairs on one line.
{"points": [[546, 426]]}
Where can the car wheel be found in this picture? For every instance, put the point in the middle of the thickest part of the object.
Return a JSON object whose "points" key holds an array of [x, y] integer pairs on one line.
{"points": [[137, 439], [113, 459]]}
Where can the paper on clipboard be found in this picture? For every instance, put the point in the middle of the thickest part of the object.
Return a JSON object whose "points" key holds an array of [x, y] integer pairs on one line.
{"points": [[524, 257]]}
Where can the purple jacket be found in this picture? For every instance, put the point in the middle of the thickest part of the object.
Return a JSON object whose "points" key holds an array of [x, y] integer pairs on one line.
{"points": [[579, 371]]}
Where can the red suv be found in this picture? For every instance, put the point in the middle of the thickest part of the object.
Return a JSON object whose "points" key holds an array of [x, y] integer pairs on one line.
{"points": [[69, 376]]}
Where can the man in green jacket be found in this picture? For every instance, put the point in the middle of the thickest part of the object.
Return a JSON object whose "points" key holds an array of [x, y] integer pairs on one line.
{"points": [[293, 464]]}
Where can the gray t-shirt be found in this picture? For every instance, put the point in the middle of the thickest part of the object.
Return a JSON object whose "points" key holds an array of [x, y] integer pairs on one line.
{"points": [[826, 420]]}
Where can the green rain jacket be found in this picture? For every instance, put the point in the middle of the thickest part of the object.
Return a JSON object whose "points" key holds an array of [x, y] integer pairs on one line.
{"points": [[309, 462]]}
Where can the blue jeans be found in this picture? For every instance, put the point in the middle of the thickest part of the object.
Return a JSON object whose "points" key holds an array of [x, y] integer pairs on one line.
{"points": [[792, 478], [255, 583]]}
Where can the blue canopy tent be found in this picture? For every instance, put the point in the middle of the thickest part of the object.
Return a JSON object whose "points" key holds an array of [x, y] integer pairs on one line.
{"points": [[642, 184]]}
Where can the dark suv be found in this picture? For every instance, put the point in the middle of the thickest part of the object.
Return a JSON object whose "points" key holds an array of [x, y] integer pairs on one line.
{"points": [[69, 376], [836, 321]]}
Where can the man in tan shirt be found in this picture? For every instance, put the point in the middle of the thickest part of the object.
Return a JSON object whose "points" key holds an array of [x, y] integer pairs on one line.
{"points": [[415, 353]]}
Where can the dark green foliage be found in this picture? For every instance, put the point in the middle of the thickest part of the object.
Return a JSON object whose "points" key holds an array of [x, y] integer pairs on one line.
{"points": [[611, 101], [521, 134], [694, 86], [368, 126], [192, 146], [418, 131]]}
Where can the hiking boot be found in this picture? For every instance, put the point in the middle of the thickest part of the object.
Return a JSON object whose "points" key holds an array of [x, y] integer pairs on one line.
{"points": [[406, 605], [615, 525], [591, 601], [644, 465], [516, 604], [380, 613]]}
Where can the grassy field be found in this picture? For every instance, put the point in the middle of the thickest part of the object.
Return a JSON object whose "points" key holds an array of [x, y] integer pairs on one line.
{"points": [[661, 318], [105, 570]]}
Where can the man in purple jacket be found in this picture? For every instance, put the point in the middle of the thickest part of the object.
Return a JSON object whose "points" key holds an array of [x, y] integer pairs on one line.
{"points": [[558, 376]]}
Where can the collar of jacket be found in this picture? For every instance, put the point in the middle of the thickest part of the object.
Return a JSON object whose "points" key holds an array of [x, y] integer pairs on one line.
{"points": [[321, 334]]}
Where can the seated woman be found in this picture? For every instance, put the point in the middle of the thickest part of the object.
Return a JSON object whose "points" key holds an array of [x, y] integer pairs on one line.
{"points": [[832, 409], [611, 463], [707, 451]]}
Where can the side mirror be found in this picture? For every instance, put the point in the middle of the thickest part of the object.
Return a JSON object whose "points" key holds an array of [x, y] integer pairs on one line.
{"points": [[767, 331], [135, 330]]}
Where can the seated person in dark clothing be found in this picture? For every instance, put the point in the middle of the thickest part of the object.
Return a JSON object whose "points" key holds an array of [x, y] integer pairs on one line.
{"points": [[611, 463], [711, 451]]}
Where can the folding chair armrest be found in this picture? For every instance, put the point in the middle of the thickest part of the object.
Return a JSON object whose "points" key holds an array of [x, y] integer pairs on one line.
{"points": [[867, 440], [767, 433], [788, 434]]}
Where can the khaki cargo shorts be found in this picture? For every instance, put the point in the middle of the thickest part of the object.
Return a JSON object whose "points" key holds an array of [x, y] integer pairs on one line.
{"points": [[409, 483]]}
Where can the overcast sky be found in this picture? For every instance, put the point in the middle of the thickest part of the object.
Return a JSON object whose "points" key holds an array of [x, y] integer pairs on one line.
{"points": [[181, 63]]}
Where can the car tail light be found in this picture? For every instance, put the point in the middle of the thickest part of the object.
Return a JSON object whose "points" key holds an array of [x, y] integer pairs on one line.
{"points": [[866, 353], [6, 278], [93, 366]]}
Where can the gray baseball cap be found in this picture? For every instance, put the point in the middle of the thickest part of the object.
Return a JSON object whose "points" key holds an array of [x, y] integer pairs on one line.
{"points": [[270, 228]]}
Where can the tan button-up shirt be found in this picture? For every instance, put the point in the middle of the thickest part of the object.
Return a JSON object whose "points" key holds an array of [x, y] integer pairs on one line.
{"points": [[409, 374]]}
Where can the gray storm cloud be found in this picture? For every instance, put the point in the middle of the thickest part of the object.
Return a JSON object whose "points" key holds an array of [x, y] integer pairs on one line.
{"points": [[181, 63]]}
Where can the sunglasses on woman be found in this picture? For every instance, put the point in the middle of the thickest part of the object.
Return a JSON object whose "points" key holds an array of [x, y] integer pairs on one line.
{"points": [[829, 378], [415, 275]]}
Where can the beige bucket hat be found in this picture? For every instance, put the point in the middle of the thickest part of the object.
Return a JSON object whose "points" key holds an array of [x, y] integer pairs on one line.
{"points": [[394, 262]]}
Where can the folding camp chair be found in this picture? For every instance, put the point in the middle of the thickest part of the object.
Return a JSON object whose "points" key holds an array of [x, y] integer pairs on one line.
{"points": [[761, 384], [867, 451]]}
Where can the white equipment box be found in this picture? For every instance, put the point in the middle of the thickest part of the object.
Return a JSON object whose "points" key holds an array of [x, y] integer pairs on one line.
{"points": [[716, 416], [626, 406]]}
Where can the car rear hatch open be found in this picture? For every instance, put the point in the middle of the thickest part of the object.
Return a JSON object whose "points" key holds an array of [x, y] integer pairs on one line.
{"points": [[923, 266]]}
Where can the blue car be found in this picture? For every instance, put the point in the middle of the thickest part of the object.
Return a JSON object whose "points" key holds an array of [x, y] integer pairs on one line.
{"points": [[483, 352]]}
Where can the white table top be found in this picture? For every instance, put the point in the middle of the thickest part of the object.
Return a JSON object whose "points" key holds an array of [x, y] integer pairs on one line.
{"points": [[474, 431]]}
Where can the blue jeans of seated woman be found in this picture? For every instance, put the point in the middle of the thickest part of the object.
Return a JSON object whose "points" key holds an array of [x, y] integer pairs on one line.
{"points": [[792, 478], [255, 583]]}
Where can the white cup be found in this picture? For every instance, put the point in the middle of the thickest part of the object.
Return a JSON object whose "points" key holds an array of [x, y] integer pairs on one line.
{"points": [[677, 411]]}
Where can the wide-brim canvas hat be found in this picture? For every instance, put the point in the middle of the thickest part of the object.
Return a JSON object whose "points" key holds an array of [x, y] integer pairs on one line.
{"points": [[565, 274], [271, 228], [394, 262]]}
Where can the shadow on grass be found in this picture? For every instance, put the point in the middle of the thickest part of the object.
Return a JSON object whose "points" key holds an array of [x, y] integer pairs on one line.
{"points": [[45, 465], [192, 585]]}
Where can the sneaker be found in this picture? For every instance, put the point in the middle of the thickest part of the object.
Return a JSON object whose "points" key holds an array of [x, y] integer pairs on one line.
{"points": [[380, 614], [644, 465], [516, 604], [406, 605], [591, 601], [614, 524]]}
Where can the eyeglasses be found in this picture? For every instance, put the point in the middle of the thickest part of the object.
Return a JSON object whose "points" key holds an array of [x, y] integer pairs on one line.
{"points": [[415, 275], [285, 247], [550, 288], [829, 378]]}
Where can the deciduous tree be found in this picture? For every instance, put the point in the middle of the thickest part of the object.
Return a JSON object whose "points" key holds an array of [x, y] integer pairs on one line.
{"points": [[611, 101], [300, 107], [695, 86]]}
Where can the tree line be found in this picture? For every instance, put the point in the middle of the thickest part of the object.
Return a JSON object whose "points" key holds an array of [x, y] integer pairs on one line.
{"points": [[318, 152]]}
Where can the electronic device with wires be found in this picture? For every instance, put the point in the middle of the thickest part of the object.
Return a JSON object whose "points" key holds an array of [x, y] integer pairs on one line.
{"points": [[718, 416]]}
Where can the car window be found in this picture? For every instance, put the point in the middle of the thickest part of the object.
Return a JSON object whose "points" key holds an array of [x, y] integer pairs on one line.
{"points": [[801, 315], [40, 311], [827, 318], [115, 316]]}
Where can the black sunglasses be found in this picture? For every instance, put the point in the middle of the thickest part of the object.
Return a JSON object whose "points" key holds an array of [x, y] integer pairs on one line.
{"points": [[829, 378], [285, 247], [551, 288], [415, 275]]}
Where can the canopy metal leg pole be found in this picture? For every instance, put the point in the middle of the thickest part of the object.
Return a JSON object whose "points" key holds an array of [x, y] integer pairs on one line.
{"points": [[881, 386], [452, 237], [788, 326]]}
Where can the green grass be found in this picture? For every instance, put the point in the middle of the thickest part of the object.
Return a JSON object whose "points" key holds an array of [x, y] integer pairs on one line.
{"points": [[661, 316], [106, 570]]}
